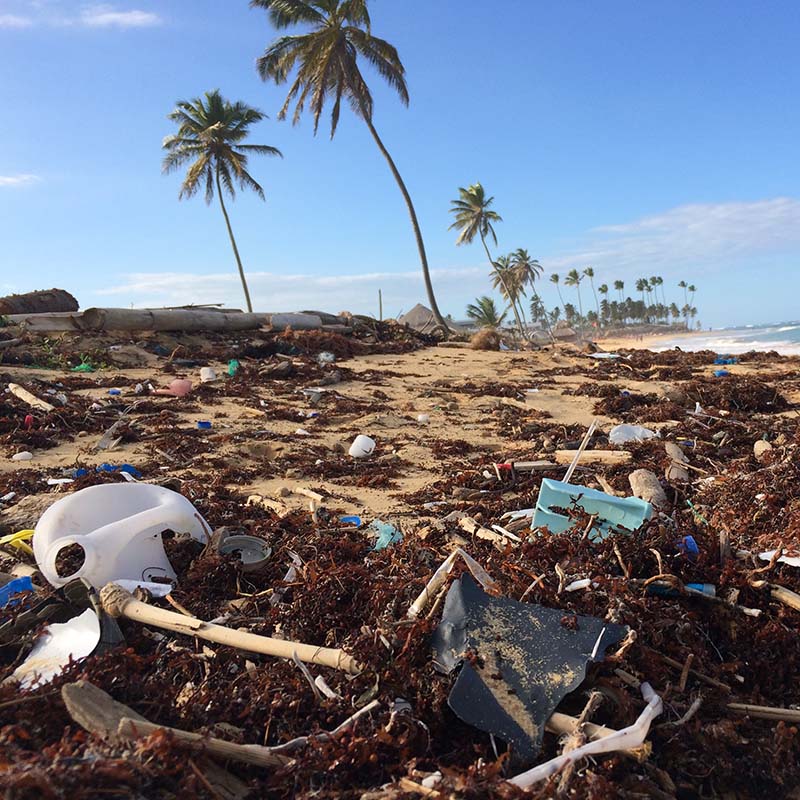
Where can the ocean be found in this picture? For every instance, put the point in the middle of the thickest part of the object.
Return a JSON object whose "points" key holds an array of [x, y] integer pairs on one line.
{"points": [[782, 337]]}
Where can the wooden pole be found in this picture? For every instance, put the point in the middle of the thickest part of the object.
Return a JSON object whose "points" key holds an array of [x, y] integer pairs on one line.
{"points": [[120, 603]]}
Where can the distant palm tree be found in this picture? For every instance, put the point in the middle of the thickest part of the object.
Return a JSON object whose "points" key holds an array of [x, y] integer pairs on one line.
{"points": [[475, 217], [211, 132], [660, 284], [325, 56], [554, 278], [529, 271], [484, 312], [574, 279], [692, 291], [641, 286], [603, 289], [589, 273], [506, 279], [683, 286], [674, 311], [619, 286]]}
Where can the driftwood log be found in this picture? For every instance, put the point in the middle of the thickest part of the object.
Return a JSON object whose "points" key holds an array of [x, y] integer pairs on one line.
{"points": [[160, 319]]}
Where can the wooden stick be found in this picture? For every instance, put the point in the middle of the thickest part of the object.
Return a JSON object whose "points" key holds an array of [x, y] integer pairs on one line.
{"points": [[577, 456], [255, 754], [699, 675], [120, 603], [766, 712], [30, 399], [785, 596], [612, 457]]}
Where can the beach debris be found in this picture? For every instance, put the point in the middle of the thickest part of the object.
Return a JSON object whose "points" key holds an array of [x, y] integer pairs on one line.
{"points": [[721, 373], [362, 446], [485, 339], [31, 399], [631, 737], [253, 552], [423, 419], [326, 357], [645, 485], [179, 387], [518, 661], [114, 530], [233, 367], [623, 434], [97, 712], [60, 644], [117, 602], [675, 470], [207, 374], [204, 425], [385, 534], [608, 513], [16, 586], [792, 561], [23, 455], [761, 450], [604, 356]]}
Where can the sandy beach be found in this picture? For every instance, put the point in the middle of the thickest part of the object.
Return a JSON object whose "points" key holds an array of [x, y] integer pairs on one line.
{"points": [[447, 422]]}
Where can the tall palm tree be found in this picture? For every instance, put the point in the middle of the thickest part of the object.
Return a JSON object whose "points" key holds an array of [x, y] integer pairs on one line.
{"points": [[554, 278], [683, 286], [529, 271], [589, 273], [692, 290], [326, 59], [474, 216], [211, 132], [484, 312], [574, 279], [619, 286], [641, 286], [603, 289], [507, 280]]}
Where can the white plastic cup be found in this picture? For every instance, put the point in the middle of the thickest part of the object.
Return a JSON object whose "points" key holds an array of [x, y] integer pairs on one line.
{"points": [[423, 419], [362, 446], [207, 374]]}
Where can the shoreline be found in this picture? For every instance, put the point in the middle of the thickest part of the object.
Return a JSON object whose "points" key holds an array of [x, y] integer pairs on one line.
{"points": [[644, 342]]}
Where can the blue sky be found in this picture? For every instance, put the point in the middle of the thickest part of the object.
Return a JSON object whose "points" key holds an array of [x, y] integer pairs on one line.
{"points": [[638, 138]]}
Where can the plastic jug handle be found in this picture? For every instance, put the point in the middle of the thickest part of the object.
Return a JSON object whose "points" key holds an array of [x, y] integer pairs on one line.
{"points": [[89, 559]]}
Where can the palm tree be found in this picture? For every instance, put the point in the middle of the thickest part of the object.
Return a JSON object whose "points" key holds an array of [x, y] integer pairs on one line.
{"points": [[554, 278], [642, 286], [484, 312], [589, 273], [210, 135], [603, 289], [325, 57], [529, 271], [674, 311], [692, 290], [574, 279], [619, 286], [683, 286], [506, 279]]}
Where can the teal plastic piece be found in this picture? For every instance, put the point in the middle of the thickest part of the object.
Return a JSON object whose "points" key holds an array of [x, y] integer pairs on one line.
{"points": [[612, 512]]}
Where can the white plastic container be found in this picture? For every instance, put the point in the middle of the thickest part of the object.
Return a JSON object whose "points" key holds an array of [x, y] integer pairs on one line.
{"points": [[362, 446], [119, 527], [207, 374]]}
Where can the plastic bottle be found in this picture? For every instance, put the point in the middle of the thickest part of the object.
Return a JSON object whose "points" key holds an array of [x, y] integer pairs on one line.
{"points": [[119, 527]]}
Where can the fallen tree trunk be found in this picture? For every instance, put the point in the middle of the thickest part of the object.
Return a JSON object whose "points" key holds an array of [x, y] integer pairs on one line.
{"points": [[41, 302], [156, 319]]}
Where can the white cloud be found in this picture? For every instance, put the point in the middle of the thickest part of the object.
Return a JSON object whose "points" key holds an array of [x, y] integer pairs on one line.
{"points": [[15, 21], [63, 14], [18, 180], [702, 236], [105, 16], [282, 292], [682, 242]]}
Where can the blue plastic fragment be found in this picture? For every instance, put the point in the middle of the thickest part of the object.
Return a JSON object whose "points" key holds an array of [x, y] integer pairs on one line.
{"points": [[13, 588], [688, 546], [204, 425], [665, 590], [114, 391], [387, 534], [611, 512], [131, 470], [721, 373], [351, 521]]}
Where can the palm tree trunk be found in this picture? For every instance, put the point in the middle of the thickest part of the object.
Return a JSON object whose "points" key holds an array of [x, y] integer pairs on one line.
{"points": [[505, 286], [437, 315], [233, 243]]}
